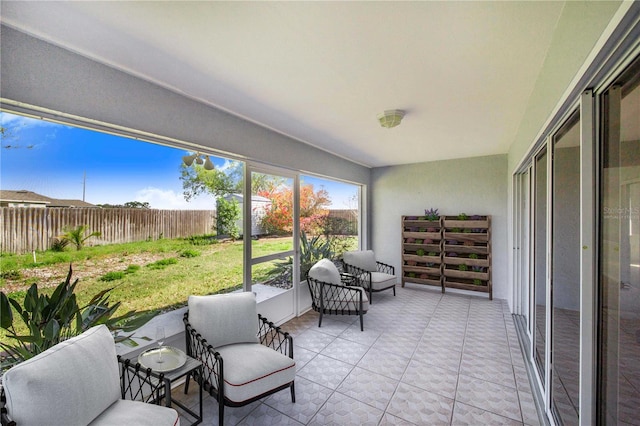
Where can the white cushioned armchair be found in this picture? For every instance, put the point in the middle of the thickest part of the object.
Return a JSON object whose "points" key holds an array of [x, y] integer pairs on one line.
{"points": [[245, 357], [77, 382], [329, 295], [374, 276]]}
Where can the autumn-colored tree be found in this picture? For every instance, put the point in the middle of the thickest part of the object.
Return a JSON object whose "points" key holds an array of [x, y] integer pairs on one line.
{"points": [[279, 219]]}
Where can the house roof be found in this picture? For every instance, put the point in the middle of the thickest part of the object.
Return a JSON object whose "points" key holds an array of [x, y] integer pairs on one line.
{"points": [[321, 72], [71, 203], [24, 196]]}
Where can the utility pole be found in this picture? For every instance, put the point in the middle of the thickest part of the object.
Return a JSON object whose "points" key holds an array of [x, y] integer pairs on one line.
{"points": [[84, 184]]}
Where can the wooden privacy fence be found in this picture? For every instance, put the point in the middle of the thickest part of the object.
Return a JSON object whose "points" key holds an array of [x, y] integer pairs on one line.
{"points": [[349, 216], [25, 229]]}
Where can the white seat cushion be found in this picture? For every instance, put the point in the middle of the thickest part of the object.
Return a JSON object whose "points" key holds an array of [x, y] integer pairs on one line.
{"points": [[71, 383], [380, 280], [364, 259], [251, 369], [324, 270], [224, 319], [125, 412]]}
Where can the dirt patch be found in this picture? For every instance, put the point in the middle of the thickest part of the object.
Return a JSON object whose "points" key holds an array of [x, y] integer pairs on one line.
{"points": [[51, 276]]}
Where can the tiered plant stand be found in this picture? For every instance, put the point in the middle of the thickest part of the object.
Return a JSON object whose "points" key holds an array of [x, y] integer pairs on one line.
{"points": [[421, 251], [466, 261]]}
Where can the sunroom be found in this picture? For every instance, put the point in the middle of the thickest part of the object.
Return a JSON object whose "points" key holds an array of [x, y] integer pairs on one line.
{"points": [[527, 112]]}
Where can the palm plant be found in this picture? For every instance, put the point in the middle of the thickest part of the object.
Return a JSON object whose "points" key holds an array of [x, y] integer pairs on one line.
{"points": [[77, 236], [311, 250]]}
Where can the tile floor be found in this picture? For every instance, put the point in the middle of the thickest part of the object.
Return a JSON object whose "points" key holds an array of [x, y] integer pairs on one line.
{"points": [[424, 358]]}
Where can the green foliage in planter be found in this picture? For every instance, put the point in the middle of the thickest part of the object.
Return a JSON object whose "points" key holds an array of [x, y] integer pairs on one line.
{"points": [[466, 230], [52, 319], [477, 282], [418, 241], [420, 252], [457, 230], [473, 256], [463, 216], [431, 214], [411, 274], [432, 253], [463, 267]]}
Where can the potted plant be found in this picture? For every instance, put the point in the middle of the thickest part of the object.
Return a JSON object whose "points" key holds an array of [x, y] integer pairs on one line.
{"points": [[431, 215], [52, 319], [420, 252]]}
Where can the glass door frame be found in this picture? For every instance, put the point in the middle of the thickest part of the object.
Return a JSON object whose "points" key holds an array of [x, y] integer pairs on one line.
{"points": [[249, 261]]}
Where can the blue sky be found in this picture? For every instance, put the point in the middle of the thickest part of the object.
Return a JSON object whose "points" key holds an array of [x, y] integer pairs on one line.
{"points": [[51, 159]]}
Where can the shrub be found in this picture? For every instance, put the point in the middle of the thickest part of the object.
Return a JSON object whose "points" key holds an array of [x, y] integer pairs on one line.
{"points": [[78, 236], [202, 240], [59, 244], [162, 263], [131, 269], [112, 276], [190, 253], [228, 213], [11, 274]]}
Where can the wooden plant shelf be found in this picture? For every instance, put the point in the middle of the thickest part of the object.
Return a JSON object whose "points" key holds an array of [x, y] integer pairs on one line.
{"points": [[467, 253], [421, 251]]}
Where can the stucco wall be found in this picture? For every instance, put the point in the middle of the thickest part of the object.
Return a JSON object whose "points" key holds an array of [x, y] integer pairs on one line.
{"points": [[38, 73], [579, 28], [472, 185]]}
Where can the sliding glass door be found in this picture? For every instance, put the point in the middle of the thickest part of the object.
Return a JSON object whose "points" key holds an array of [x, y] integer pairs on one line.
{"points": [[565, 273], [539, 260], [619, 280]]}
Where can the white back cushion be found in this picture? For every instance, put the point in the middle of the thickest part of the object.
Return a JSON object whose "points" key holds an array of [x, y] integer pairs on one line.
{"points": [[224, 319], [362, 259], [324, 270], [68, 384]]}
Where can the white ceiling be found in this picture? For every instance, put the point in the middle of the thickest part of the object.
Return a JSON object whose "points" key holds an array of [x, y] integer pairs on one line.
{"points": [[321, 72]]}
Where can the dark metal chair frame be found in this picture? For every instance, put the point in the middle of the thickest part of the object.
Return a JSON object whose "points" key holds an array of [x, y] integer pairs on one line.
{"points": [[336, 299], [136, 384], [212, 379], [364, 277]]}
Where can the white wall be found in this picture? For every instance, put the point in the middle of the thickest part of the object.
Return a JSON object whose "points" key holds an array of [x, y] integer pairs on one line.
{"points": [[472, 185]]}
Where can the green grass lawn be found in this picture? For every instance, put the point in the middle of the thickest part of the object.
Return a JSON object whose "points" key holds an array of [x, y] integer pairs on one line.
{"points": [[180, 267], [188, 266]]}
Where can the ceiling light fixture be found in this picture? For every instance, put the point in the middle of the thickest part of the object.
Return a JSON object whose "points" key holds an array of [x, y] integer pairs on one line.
{"points": [[199, 159], [391, 118]]}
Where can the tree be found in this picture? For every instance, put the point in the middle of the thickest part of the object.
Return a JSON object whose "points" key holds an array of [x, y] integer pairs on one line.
{"points": [[137, 205], [313, 205], [196, 180]]}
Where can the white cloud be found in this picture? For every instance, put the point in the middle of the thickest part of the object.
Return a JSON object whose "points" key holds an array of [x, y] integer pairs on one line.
{"points": [[20, 122], [170, 200]]}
